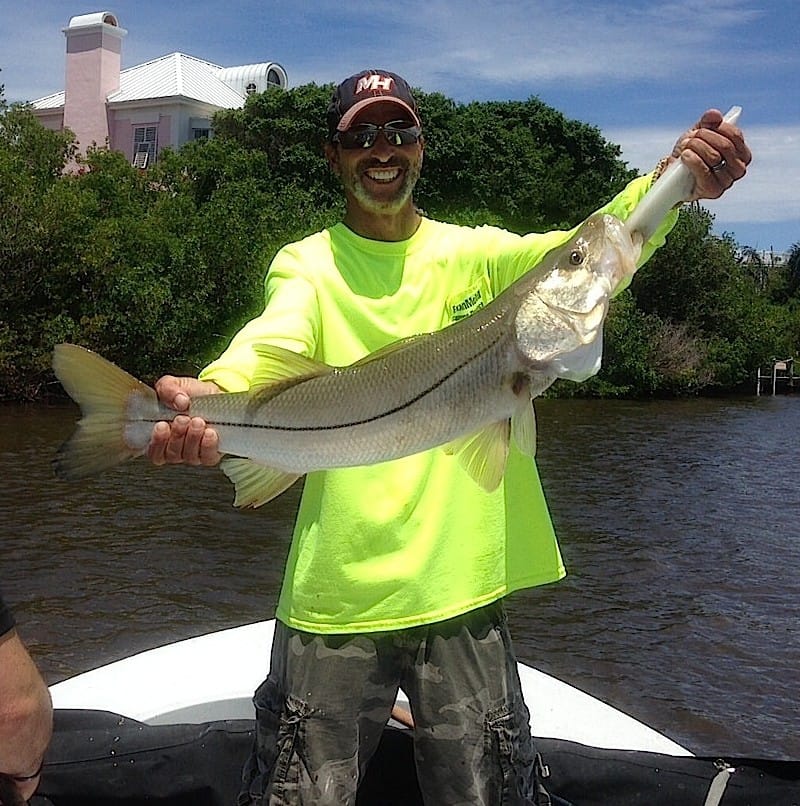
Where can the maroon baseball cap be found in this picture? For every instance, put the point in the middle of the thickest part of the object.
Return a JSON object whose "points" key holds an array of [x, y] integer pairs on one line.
{"points": [[366, 88]]}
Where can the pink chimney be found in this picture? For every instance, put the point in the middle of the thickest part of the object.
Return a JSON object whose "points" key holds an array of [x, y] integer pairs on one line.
{"points": [[94, 56]]}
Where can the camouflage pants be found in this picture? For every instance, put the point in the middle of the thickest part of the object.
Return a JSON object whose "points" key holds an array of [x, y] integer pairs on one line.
{"points": [[323, 707]]}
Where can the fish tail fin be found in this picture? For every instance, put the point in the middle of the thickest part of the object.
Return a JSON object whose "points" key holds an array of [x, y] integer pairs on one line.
{"points": [[105, 394]]}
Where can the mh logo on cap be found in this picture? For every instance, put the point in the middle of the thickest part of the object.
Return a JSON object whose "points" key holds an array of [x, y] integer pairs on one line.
{"points": [[374, 83]]}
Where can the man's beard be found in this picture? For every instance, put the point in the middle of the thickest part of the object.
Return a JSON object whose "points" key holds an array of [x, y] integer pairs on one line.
{"points": [[411, 172]]}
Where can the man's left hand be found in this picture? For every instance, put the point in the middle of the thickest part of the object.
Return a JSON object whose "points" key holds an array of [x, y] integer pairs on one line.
{"points": [[716, 154]]}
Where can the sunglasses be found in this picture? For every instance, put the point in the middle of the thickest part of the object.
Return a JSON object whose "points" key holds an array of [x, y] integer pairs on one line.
{"points": [[396, 132]]}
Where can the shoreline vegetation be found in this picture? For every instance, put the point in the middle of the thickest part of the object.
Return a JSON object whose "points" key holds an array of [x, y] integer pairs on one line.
{"points": [[156, 269]]}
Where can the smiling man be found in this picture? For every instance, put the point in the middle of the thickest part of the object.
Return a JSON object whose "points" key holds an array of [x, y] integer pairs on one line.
{"points": [[397, 572], [376, 148]]}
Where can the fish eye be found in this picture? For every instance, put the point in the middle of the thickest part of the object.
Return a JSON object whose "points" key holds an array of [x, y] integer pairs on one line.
{"points": [[575, 257]]}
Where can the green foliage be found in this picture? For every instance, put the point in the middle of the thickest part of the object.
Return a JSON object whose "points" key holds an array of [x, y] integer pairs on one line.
{"points": [[784, 280], [287, 131], [34, 217], [520, 162], [793, 271], [697, 286], [157, 269]]}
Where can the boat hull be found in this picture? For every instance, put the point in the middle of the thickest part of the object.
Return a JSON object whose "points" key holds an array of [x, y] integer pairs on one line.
{"points": [[161, 686]]}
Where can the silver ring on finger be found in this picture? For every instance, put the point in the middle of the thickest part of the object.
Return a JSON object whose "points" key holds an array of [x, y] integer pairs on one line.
{"points": [[720, 166]]}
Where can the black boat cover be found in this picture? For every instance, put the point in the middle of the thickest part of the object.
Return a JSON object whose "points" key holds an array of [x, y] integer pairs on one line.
{"points": [[101, 759]]}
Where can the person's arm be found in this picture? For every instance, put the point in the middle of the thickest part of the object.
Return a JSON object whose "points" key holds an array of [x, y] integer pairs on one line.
{"points": [[714, 151], [716, 155], [289, 320], [26, 715]]}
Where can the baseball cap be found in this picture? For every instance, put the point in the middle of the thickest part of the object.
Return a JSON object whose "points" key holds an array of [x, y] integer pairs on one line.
{"points": [[366, 88]]}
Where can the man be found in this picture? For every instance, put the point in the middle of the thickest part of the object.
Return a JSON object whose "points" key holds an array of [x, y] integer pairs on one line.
{"points": [[397, 572], [26, 714]]}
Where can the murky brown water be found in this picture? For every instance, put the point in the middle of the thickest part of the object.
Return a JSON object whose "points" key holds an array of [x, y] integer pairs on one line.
{"points": [[678, 520]]}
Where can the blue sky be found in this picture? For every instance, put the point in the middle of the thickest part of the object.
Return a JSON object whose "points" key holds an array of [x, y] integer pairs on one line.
{"points": [[640, 71]]}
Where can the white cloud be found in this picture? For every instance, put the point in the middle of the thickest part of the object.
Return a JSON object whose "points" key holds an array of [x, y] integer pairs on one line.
{"points": [[456, 48], [769, 192], [605, 61], [548, 42]]}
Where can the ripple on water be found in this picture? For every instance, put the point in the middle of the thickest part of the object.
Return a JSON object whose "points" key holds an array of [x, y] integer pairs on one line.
{"points": [[678, 521]]}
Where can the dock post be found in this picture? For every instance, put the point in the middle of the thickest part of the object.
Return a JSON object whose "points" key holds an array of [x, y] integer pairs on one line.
{"points": [[782, 370]]}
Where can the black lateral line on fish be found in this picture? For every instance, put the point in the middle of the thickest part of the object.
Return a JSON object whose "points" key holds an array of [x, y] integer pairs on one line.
{"points": [[377, 417], [400, 407]]}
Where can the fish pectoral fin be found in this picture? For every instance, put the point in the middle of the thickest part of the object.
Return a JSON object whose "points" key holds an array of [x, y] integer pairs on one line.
{"points": [[255, 484], [483, 455], [523, 427], [277, 364]]}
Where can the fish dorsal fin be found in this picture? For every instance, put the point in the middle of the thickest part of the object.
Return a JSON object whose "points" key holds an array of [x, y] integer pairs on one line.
{"points": [[389, 349], [483, 455], [255, 484], [279, 369], [277, 364], [523, 427]]}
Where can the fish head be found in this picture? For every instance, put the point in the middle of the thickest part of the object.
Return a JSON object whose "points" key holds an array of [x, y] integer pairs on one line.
{"points": [[565, 304]]}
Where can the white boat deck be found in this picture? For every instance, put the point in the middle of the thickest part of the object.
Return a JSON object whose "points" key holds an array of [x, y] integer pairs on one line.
{"points": [[214, 676]]}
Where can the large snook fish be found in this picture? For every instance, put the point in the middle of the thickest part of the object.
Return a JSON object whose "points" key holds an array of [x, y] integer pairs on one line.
{"points": [[468, 386]]}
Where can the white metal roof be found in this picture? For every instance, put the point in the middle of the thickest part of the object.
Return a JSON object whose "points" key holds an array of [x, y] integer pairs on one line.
{"points": [[54, 101], [176, 76], [256, 76]]}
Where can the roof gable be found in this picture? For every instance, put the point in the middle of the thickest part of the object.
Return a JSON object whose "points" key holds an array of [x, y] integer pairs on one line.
{"points": [[176, 75]]}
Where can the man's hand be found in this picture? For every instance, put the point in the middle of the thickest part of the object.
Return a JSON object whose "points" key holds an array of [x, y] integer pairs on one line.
{"points": [[716, 154], [185, 440]]}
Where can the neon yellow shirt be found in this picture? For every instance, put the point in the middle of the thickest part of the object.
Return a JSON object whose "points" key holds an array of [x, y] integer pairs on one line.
{"points": [[415, 540]]}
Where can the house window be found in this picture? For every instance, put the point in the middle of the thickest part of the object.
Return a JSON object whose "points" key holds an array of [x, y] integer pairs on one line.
{"points": [[201, 134], [273, 79], [145, 145], [250, 88]]}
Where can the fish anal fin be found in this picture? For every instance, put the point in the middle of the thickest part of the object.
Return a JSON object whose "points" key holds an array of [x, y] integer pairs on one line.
{"points": [[483, 455], [255, 484], [523, 427]]}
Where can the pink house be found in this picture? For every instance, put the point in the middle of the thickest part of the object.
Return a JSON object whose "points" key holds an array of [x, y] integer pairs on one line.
{"points": [[142, 109]]}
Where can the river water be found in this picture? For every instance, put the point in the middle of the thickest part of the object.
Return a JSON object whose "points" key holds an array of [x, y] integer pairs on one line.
{"points": [[678, 521]]}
